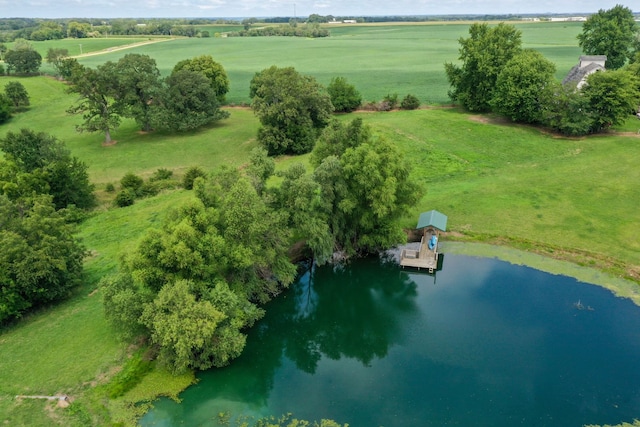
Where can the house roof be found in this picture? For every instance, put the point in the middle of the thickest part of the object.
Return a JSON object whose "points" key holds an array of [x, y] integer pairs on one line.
{"points": [[434, 219], [592, 58], [587, 64], [576, 74]]}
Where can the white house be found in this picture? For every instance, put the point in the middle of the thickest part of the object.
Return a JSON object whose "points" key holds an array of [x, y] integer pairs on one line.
{"points": [[587, 65]]}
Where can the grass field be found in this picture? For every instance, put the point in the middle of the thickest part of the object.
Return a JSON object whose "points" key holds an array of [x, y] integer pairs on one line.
{"points": [[377, 59], [517, 186]]}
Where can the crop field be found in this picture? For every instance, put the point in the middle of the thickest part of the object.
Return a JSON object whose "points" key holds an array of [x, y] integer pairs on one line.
{"points": [[496, 181], [377, 59]]}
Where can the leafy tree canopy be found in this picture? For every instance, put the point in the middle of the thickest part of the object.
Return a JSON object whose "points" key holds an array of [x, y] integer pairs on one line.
{"points": [[41, 164], [23, 61], [5, 108], [212, 70], [567, 111], [611, 32], [192, 286], [137, 84], [40, 261], [344, 96], [292, 109], [188, 102], [95, 87], [612, 96], [521, 87], [17, 93], [365, 185], [483, 54]]}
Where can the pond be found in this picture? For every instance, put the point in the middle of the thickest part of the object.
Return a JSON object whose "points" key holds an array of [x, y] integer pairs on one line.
{"points": [[483, 342]]}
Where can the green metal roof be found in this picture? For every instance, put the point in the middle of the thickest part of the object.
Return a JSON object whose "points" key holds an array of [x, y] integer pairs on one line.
{"points": [[433, 219]]}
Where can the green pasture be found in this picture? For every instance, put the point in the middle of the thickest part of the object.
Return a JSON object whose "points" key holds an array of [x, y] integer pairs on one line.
{"points": [[377, 59], [77, 47], [493, 180], [226, 142]]}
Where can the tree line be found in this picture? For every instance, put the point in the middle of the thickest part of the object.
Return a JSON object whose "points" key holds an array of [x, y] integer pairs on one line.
{"points": [[54, 29], [310, 30], [497, 75]]}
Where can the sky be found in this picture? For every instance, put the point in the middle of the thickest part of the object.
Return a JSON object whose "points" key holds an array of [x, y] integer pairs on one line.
{"points": [[271, 8]]}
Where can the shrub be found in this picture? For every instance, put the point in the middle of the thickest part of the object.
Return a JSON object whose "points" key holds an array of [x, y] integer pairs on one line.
{"points": [[132, 182], [125, 197], [344, 96], [161, 174], [410, 102], [109, 188], [192, 173], [73, 214], [391, 100], [149, 188]]}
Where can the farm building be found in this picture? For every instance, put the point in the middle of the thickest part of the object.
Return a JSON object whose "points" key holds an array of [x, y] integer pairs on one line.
{"points": [[587, 65]]}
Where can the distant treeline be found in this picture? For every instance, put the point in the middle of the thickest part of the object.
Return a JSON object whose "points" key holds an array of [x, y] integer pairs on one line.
{"points": [[37, 29], [286, 30], [52, 29]]}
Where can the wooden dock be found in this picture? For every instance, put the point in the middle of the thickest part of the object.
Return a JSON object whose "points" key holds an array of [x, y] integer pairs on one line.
{"points": [[421, 258]]}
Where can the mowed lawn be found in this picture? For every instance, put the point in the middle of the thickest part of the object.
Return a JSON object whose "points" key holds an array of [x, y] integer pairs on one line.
{"points": [[377, 59]]}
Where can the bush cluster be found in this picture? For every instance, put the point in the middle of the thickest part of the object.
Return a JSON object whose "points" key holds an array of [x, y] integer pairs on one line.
{"points": [[390, 102], [133, 186]]}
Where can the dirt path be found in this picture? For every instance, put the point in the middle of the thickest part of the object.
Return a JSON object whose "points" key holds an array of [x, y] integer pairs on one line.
{"points": [[122, 47]]}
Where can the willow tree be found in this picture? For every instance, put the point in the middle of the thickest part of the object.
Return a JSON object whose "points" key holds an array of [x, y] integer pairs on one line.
{"points": [[365, 185]]}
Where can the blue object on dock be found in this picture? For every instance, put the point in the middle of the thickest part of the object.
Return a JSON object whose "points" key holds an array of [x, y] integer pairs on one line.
{"points": [[433, 241]]}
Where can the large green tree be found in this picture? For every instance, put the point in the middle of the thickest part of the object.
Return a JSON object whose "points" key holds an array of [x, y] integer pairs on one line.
{"points": [[522, 85], [137, 85], [23, 61], [38, 163], [55, 56], [187, 102], [365, 186], [95, 88], [483, 55], [344, 96], [193, 286], [612, 97], [566, 110], [17, 93], [212, 70], [292, 109], [197, 327], [40, 260], [610, 32]]}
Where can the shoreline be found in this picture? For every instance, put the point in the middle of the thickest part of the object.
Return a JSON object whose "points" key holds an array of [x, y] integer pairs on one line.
{"points": [[621, 287]]}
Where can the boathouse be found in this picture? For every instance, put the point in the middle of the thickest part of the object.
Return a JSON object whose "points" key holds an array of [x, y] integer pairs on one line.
{"points": [[431, 223]]}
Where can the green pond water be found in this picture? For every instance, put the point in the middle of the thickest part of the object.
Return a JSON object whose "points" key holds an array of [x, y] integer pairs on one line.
{"points": [[484, 343]]}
